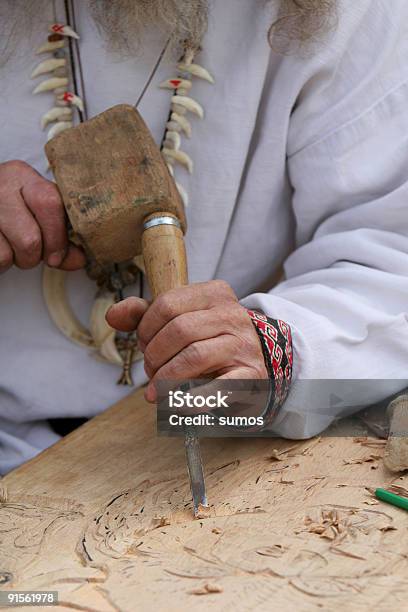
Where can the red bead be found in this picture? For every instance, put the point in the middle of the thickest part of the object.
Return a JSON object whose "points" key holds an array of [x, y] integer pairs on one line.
{"points": [[57, 27]]}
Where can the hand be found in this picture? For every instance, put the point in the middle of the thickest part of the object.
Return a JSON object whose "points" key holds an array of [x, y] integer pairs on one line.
{"points": [[32, 221], [195, 331]]}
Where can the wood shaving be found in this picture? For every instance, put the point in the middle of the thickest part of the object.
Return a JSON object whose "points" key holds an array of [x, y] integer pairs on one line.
{"points": [[275, 551], [370, 490], [207, 589], [347, 553], [160, 521], [328, 525], [283, 481], [280, 468], [314, 484], [277, 455], [398, 490], [3, 494], [306, 451], [387, 528], [370, 442], [362, 460]]}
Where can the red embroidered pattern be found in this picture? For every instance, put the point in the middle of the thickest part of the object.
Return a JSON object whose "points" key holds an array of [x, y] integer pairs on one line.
{"points": [[276, 340]]}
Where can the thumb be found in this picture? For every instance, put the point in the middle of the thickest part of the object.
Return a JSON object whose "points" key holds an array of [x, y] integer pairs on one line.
{"points": [[74, 259], [126, 315]]}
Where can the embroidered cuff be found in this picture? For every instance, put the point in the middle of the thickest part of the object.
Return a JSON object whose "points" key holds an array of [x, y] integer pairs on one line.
{"points": [[276, 342]]}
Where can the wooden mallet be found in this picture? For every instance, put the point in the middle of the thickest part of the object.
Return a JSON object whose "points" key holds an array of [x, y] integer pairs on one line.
{"points": [[122, 201]]}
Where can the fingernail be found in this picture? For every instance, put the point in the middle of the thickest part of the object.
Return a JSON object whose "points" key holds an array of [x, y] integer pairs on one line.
{"points": [[150, 393], [56, 258]]}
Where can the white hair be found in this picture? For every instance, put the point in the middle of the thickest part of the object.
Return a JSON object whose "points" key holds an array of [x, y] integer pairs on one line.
{"points": [[122, 22]]}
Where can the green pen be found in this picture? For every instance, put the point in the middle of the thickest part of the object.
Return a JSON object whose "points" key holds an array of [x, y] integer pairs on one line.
{"points": [[391, 498]]}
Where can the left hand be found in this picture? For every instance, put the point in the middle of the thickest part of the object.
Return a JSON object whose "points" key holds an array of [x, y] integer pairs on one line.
{"points": [[196, 331]]}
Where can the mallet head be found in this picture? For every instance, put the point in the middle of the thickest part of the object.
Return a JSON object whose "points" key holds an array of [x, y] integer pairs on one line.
{"points": [[112, 176]]}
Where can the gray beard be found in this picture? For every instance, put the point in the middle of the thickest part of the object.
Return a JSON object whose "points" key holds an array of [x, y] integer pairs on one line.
{"points": [[121, 22]]}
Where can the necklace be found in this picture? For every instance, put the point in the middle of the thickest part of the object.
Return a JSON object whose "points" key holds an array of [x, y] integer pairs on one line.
{"points": [[62, 69]]}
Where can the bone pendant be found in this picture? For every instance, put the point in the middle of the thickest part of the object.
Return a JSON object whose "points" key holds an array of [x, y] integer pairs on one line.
{"points": [[180, 110], [102, 333], [180, 157], [48, 66], [183, 122], [64, 30], [58, 113], [59, 127], [197, 71], [53, 285], [50, 47], [174, 139], [51, 84], [189, 104], [71, 98]]}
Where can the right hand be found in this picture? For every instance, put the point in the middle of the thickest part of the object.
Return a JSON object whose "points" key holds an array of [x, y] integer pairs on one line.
{"points": [[33, 221]]}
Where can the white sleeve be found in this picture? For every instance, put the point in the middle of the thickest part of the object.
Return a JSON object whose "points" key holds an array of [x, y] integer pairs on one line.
{"points": [[346, 289]]}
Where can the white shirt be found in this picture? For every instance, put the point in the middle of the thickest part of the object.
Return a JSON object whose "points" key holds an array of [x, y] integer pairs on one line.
{"points": [[301, 159]]}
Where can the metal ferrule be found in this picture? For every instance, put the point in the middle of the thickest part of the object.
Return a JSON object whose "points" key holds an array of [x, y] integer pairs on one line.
{"points": [[165, 220]]}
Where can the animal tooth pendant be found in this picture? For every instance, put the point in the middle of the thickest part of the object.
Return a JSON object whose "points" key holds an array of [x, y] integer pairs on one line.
{"points": [[189, 104], [64, 30], [58, 113], [70, 98], [59, 127], [51, 84], [172, 138], [48, 65], [182, 122], [181, 103], [60, 311], [197, 71], [179, 157], [51, 46]]}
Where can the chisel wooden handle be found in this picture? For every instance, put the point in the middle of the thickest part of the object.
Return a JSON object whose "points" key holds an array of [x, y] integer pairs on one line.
{"points": [[164, 253], [165, 262], [396, 450]]}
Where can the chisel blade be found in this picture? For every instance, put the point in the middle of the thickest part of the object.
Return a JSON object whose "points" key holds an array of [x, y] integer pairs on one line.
{"points": [[195, 471]]}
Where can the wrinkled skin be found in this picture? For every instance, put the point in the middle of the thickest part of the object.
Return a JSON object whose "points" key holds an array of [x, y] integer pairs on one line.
{"points": [[32, 221], [196, 331]]}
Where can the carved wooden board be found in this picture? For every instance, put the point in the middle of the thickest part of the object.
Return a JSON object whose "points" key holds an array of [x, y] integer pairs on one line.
{"points": [[105, 518]]}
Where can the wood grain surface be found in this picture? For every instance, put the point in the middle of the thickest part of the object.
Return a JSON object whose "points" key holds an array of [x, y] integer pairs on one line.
{"points": [[105, 517]]}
